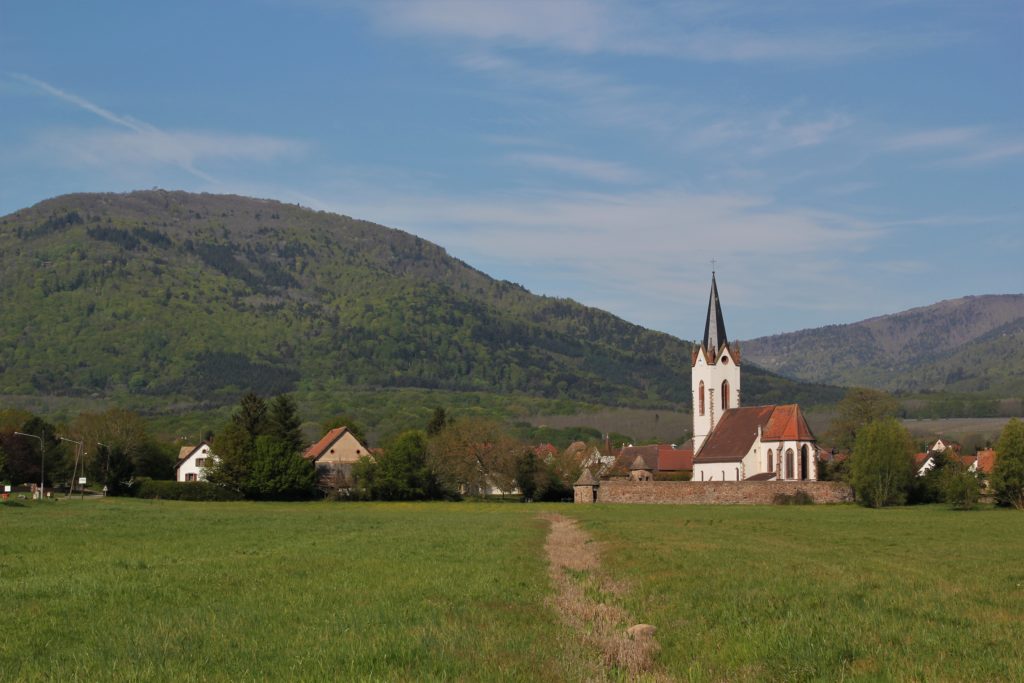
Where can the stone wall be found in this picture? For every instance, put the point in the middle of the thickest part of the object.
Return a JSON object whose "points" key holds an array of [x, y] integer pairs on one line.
{"points": [[718, 492]]}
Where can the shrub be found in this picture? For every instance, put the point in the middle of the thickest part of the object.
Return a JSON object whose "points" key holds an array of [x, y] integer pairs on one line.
{"points": [[799, 497], [182, 490]]}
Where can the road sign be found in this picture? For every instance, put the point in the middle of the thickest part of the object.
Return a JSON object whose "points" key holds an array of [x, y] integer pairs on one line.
{"points": [[81, 481], [7, 488]]}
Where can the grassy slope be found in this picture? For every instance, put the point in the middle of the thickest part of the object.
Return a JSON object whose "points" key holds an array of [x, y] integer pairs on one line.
{"points": [[823, 593], [102, 589], [175, 591]]}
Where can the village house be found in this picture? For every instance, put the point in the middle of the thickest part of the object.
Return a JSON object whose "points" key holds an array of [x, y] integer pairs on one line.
{"points": [[334, 455], [192, 462], [735, 443]]}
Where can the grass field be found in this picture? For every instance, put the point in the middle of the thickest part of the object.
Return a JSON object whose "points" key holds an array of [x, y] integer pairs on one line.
{"points": [[152, 590]]}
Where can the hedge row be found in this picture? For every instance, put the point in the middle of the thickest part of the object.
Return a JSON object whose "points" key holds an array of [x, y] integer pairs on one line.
{"points": [[182, 490]]}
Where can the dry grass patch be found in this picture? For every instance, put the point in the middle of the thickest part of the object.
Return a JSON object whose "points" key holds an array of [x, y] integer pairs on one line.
{"points": [[583, 597]]}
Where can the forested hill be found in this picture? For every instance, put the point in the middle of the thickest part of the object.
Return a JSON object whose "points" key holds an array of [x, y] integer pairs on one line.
{"points": [[199, 297], [971, 344]]}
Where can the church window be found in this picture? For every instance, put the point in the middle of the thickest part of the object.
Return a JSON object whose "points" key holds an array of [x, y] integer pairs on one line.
{"points": [[771, 465], [725, 360], [702, 398], [725, 395], [789, 463]]}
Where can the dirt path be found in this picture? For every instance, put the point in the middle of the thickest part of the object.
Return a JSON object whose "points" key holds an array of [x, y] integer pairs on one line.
{"points": [[604, 633]]}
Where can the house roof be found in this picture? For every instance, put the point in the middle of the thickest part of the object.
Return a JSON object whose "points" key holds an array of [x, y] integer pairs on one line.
{"points": [[761, 476], [787, 423], [986, 461], [587, 478], [183, 456], [639, 463], [628, 455], [675, 459], [921, 458], [321, 446], [736, 432]]}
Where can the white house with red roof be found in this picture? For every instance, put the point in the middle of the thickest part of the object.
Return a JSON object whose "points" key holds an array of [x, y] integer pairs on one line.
{"points": [[734, 443]]}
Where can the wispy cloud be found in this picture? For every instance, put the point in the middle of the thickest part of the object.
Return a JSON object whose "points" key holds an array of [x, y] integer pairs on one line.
{"points": [[143, 143], [592, 169], [960, 146], [694, 31]]}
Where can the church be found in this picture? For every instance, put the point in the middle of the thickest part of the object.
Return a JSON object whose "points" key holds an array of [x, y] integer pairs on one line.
{"points": [[736, 443]]}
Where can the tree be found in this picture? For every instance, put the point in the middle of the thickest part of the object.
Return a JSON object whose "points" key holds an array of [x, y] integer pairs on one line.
{"points": [[961, 488], [526, 475], [114, 469], [858, 408], [276, 472], [116, 427], [474, 454], [284, 422], [882, 463], [438, 421], [231, 466], [251, 415], [401, 472], [1008, 473]]}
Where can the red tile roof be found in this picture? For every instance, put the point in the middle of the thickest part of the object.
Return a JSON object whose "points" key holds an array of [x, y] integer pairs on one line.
{"points": [[920, 459], [787, 423], [986, 461], [321, 446], [544, 450], [736, 432], [675, 459]]}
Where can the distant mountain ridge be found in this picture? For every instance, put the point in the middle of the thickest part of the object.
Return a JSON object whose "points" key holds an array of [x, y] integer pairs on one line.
{"points": [[970, 344], [198, 297]]}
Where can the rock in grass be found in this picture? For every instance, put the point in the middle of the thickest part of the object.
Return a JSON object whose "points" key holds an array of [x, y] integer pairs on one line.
{"points": [[639, 631]]}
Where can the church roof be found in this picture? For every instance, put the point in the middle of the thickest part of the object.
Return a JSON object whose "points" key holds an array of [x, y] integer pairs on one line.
{"points": [[736, 432], [586, 478], [714, 328]]}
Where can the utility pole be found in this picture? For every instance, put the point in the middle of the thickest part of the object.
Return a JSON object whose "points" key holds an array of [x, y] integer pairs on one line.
{"points": [[42, 461], [74, 472]]}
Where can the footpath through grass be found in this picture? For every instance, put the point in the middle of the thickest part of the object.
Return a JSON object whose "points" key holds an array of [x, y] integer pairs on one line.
{"points": [[822, 593], [144, 590]]}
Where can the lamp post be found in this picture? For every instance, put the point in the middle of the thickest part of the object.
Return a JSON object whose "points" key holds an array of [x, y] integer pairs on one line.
{"points": [[78, 456], [42, 460]]}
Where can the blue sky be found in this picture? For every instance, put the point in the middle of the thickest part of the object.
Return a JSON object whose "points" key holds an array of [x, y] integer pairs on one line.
{"points": [[839, 160]]}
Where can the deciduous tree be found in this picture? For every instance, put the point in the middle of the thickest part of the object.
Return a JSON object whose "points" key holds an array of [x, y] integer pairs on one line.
{"points": [[1008, 472], [882, 463], [474, 454], [858, 408]]}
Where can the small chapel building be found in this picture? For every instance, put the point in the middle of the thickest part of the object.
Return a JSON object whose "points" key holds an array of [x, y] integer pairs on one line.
{"points": [[736, 443]]}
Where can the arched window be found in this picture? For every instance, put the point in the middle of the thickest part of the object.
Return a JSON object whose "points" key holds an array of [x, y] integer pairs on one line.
{"points": [[771, 465], [789, 463], [725, 395], [702, 398], [803, 462]]}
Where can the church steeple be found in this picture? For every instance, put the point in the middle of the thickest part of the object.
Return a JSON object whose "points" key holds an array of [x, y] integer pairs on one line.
{"points": [[714, 328]]}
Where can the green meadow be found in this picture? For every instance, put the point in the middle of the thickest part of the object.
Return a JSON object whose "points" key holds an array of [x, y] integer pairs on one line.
{"points": [[158, 590]]}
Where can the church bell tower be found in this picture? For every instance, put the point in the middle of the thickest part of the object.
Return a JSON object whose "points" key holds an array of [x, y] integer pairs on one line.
{"points": [[715, 373]]}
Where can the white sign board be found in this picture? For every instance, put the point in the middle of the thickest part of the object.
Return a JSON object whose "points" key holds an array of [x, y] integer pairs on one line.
{"points": [[81, 480], [7, 488]]}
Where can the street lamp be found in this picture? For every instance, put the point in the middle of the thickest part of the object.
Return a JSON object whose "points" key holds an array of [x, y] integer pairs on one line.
{"points": [[42, 459], [78, 456]]}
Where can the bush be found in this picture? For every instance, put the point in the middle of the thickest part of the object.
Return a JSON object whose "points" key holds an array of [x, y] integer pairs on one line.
{"points": [[961, 489], [799, 497], [882, 465], [182, 490]]}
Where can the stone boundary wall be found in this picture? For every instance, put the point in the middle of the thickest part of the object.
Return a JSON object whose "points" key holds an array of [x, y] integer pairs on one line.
{"points": [[718, 492]]}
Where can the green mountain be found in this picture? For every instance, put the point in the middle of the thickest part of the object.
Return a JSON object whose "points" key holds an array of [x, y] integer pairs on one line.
{"points": [[973, 344], [195, 298]]}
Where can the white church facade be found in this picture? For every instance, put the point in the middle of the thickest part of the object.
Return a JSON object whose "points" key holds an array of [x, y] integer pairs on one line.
{"points": [[736, 443]]}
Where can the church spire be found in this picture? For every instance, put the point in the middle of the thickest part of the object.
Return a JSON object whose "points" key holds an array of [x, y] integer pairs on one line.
{"points": [[714, 328]]}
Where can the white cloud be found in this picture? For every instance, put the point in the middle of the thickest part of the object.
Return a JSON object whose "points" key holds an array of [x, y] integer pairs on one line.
{"points": [[593, 169], [935, 137], [971, 145], [693, 31]]}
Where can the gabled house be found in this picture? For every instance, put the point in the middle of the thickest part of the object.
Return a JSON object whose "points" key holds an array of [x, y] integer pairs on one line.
{"points": [[192, 462], [334, 455]]}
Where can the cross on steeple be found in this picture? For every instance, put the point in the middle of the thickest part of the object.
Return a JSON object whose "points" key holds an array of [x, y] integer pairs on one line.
{"points": [[713, 262]]}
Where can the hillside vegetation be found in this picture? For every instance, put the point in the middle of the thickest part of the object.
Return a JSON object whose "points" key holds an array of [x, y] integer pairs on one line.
{"points": [[972, 344], [191, 299]]}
